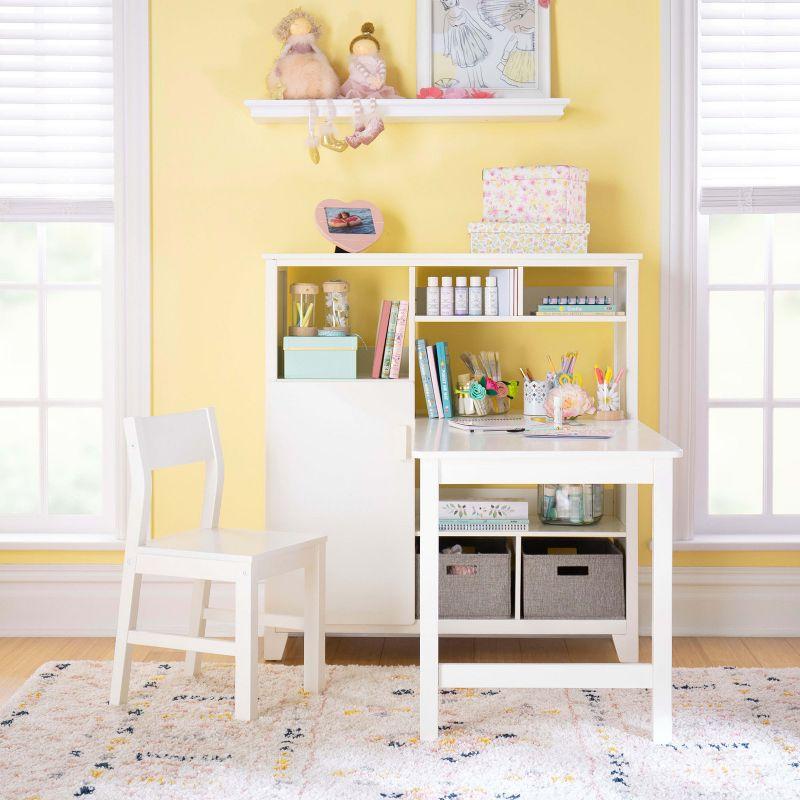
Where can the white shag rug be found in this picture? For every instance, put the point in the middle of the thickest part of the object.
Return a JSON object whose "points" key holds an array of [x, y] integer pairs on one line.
{"points": [[737, 736]]}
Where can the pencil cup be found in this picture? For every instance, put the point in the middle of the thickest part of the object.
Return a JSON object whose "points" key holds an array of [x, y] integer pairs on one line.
{"points": [[608, 405], [534, 393]]}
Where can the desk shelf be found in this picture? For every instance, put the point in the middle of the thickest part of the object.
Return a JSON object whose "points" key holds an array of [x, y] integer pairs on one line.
{"points": [[580, 318]]}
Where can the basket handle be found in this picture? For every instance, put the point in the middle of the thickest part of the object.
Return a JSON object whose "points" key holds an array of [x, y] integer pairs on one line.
{"points": [[462, 569], [572, 570]]}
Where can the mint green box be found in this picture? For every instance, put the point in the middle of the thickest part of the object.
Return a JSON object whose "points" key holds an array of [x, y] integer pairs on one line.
{"points": [[320, 357]]}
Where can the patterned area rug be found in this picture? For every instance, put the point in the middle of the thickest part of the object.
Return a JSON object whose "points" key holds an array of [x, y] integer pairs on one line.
{"points": [[737, 734]]}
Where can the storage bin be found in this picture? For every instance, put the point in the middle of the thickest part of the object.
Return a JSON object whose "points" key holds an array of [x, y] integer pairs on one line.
{"points": [[570, 503], [473, 585], [528, 237], [320, 357], [588, 585], [548, 194]]}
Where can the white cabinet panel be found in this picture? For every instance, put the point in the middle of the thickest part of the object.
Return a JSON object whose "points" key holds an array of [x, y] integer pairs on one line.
{"points": [[338, 463]]}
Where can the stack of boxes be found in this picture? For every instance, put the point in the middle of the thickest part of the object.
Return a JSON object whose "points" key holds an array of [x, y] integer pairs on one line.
{"points": [[532, 210]]}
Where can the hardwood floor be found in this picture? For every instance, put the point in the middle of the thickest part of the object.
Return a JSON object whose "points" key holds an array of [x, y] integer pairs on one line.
{"points": [[20, 657]]}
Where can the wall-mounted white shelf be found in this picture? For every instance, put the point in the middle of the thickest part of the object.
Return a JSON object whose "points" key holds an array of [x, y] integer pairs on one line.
{"points": [[492, 109]]}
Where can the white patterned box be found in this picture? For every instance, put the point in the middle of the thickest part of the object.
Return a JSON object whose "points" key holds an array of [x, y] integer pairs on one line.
{"points": [[550, 194], [528, 237]]}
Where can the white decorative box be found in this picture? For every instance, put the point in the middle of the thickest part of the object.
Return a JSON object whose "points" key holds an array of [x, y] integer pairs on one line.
{"points": [[549, 194], [483, 509], [528, 237]]}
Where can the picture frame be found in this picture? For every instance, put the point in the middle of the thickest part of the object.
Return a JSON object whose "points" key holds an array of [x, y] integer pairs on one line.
{"points": [[484, 45], [352, 226]]}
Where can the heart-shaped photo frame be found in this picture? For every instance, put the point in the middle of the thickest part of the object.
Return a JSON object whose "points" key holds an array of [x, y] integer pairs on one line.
{"points": [[351, 226]]}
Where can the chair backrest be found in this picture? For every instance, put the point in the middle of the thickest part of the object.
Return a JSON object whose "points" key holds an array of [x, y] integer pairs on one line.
{"points": [[168, 441]]}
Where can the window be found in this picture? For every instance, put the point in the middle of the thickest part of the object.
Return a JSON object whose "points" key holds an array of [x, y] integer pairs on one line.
{"points": [[70, 283], [731, 282]]}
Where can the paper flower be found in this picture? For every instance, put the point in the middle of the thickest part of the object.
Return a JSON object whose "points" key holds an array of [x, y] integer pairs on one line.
{"points": [[574, 401]]}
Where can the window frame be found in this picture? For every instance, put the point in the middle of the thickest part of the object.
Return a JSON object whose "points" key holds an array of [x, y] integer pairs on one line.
{"points": [[129, 286], [683, 259]]}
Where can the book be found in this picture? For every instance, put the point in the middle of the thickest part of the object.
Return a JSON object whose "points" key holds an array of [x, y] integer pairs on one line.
{"points": [[380, 338], [437, 396], [390, 331], [484, 525], [482, 509], [579, 313], [572, 431], [506, 423], [443, 359], [425, 377], [505, 291], [575, 308], [399, 336]]}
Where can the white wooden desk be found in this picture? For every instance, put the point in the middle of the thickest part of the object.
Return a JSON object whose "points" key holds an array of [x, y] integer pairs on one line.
{"points": [[635, 455]]}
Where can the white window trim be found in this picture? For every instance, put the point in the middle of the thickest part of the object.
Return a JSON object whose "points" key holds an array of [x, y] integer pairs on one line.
{"points": [[679, 260], [132, 253]]}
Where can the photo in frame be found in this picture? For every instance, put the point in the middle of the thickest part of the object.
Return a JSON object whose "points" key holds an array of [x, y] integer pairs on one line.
{"points": [[502, 46]]}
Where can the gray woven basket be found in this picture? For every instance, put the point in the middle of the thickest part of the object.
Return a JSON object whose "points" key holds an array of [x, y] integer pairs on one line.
{"points": [[484, 592], [590, 585]]}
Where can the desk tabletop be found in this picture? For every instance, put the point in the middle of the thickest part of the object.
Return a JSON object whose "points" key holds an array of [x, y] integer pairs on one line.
{"points": [[434, 438]]}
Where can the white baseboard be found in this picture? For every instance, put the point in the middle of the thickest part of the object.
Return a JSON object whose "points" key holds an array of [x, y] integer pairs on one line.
{"points": [[78, 600]]}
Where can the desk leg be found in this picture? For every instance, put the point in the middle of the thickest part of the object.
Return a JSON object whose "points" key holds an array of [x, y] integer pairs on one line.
{"points": [[662, 601], [429, 600]]}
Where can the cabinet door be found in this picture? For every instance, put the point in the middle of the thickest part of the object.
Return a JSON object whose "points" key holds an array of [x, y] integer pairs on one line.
{"points": [[338, 463]]}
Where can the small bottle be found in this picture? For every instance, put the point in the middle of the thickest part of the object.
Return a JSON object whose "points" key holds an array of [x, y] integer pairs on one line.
{"points": [[475, 296], [446, 300], [490, 297], [432, 298], [558, 413], [461, 301]]}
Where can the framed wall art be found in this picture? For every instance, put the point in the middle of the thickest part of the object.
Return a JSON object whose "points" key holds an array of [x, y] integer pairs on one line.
{"points": [[501, 46]]}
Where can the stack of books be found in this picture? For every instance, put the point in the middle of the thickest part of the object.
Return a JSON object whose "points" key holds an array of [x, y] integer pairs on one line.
{"points": [[434, 371], [389, 339], [483, 516]]}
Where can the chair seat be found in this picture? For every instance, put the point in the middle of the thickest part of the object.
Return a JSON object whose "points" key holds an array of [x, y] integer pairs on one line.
{"points": [[230, 544]]}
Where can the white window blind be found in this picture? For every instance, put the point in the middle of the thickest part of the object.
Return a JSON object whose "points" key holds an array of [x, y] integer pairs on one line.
{"points": [[749, 105], [56, 101]]}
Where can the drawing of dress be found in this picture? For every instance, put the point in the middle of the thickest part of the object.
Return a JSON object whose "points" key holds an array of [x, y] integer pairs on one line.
{"points": [[463, 39], [518, 64]]}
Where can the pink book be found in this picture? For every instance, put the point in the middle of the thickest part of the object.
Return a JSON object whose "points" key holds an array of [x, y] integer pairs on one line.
{"points": [[380, 338], [399, 334], [435, 380]]}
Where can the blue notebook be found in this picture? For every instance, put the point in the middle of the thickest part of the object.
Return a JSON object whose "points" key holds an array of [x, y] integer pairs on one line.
{"points": [[425, 376], [443, 360]]}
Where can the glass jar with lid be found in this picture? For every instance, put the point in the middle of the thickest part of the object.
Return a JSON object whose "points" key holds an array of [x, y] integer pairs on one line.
{"points": [[303, 311], [337, 308]]}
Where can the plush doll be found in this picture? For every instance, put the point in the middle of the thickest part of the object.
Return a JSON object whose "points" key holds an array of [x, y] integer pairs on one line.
{"points": [[302, 71], [367, 67]]}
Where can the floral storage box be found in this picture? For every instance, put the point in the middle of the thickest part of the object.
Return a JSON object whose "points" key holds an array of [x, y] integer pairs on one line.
{"points": [[548, 194], [528, 237]]}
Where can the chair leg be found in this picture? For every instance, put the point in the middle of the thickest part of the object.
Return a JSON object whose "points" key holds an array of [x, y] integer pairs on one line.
{"points": [[314, 634], [271, 642], [126, 621], [197, 624], [246, 698]]}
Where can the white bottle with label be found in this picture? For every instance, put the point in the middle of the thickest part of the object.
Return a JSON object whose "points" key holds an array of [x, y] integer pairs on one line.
{"points": [[462, 294], [490, 297], [432, 298], [475, 296], [446, 300]]}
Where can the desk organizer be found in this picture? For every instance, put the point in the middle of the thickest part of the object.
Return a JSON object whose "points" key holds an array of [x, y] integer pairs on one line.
{"points": [[320, 357], [586, 584], [473, 585]]}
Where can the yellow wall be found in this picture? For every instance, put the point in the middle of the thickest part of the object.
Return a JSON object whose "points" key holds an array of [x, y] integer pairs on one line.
{"points": [[225, 190]]}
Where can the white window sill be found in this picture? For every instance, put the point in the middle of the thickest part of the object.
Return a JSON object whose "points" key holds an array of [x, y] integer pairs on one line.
{"points": [[764, 541], [60, 541]]}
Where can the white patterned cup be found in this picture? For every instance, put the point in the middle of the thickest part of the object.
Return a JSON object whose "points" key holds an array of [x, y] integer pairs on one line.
{"points": [[534, 393]]}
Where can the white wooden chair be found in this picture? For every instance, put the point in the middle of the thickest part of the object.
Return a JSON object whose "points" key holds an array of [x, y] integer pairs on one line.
{"points": [[208, 553]]}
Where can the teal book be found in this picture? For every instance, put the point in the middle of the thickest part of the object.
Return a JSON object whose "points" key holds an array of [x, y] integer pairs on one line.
{"points": [[390, 332], [443, 359], [425, 377]]}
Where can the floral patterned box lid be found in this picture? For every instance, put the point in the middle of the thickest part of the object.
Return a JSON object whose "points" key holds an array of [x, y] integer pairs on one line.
{"points": [[541, 172]]}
